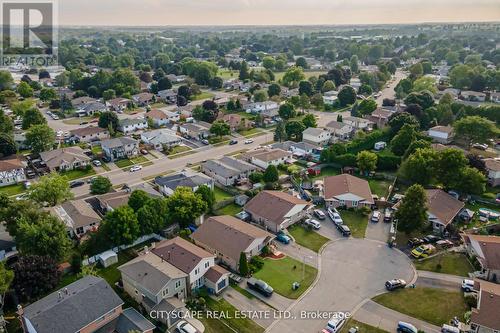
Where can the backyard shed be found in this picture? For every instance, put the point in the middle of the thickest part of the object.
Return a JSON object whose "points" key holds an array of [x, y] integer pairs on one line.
{"points": [[108, 258]]}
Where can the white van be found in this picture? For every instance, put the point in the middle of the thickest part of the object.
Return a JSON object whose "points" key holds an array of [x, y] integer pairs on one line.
{"points": [[449, 329], [335, 323], [467, 285]]}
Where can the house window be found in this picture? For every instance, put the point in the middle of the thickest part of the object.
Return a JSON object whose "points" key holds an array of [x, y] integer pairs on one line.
{"points": [[196, 271], [207, 264], [354, 203], [177, 284]]}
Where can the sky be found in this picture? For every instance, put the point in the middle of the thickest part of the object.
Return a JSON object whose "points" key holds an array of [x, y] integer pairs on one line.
{"points": [[273, 12]]}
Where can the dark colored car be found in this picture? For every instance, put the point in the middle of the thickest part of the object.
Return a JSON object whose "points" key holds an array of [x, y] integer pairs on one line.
{"points": [[233, 142], [260, 286], [344, 230], [430, 239], [413, 242], [76, 183], [395, 284]]}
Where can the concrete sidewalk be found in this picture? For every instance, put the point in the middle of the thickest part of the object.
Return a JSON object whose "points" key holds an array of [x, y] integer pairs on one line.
{"points": [[376, 315]]}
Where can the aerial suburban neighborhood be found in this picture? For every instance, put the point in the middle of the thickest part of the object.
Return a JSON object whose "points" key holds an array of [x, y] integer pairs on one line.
{"points": [[172, 175]]}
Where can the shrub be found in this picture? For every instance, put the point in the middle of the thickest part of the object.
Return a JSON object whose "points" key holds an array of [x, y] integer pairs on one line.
{"points": [[365, 211], [257, 263]]}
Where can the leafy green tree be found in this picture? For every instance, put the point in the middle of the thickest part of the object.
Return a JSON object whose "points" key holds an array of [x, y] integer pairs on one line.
{"points": [[397, 121], [271, 175], [280, 132], [121, 226], [108, 94], [412, 212], [184, 206], [6, 278], [34, 276], [475, 129], [243, 264], [309, 120], [416, 71], [403, 88], [208, 196], [220, 128], [329, 85], [367, 106], [423, 144], [274, 89], [260, 95], [449, 164], [108, 119], [47, 94], [7, 145], [100, 185], [51, 189], [293, 76], [472, 181], [45, 235], [6, 124], [366, 161], [347, 95], [268, 62], [33, 117], [365, 90], [24, 90], [425, 83], [400, 143], [354, 64], [152, 217], [256, 177], [287, 111], [244, 72], [6, 80], [301, 62], [420, 166], [138, 199], [294, 130], [305, 87]]}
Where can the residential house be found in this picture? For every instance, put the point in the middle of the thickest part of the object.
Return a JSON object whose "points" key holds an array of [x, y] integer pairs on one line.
{"points": [[380, 117], [265, 157], [88, 305], [486, 249], [129, 125], [118, 104], [330, 97], [89, 109], [358, 123], [12, 170], [169, 183], [162, 118], [495, 97], [473, 96], [339, 130], [485, 317], [277, 210], [7, 245], [266, 108], [195, 262], [227, 237], [316, 136], [79, 101], [237, 122], [110, 201], [441, 134], [64, 159], [347, 191], [298, 149], [493, 168], [143, 99], [90, 134], [161, 138], [20, 139], [227, 170], [199, 130], [442, 208], [122, 147], [168, 96], [78, 216]]}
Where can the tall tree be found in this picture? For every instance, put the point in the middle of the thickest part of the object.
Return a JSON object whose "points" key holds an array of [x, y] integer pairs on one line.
{"points": [[152, 216], [6, 278], [366, 161], [475, 129], [400, 143], [7, 145], [138, 199], [294, 130], [34, 276], [33, 117], [271, 175], [208, 196], [280, 132], [412, 212], [107, 119], [40, 138], [220, 128], [51, 189], [121, 226], [287, 111], [309, 120], [100, 185], [243, 264], [184, 206], [347, 95]]}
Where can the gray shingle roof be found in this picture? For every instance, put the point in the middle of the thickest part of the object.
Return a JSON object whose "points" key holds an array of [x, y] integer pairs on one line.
{"points": [[228, 166], [179, 179], [117, 142]]}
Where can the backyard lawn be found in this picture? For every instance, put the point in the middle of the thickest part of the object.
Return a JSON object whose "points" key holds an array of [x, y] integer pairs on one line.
{"points": [[451, 263], [356, 221], [327, 171], [363, 328], [203, 95], [12, 189], [307, 238], [379, 187], [221, 195], [429, 304], [78, 173], [228, 74], [281, 273], [231, 209]]}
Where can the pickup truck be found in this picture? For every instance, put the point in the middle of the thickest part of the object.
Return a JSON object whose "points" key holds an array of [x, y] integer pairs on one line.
{"points": [[260, 286]]}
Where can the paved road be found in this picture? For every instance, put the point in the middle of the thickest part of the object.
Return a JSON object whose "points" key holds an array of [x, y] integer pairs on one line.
{"points": [[244, 303], [164, 164], [378, 231], [352, 270], [438, 280], [376, 315], [389, 92]]}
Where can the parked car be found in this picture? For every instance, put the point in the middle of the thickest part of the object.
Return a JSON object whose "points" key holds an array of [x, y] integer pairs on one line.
{"points": [[97, 163], [283, 238], [388, 215], [144, 152], [319, 214], [185, 327], [467, 285], [445, 243], [76, 183], [260, 286], [335, 216], [313, 223], [248, 141], [344, 230], [30, 174], [235, 278], [136, 168], [233, 142], [480, 146], [395, 284], [335, 323], [423, 251], [415, 242], [406, 328], [430, 239], [449, 329], [375, 216], [205, 142]]}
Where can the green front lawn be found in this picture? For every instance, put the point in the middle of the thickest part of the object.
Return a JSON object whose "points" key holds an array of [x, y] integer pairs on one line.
{"points": [[228, 74], [221, 195], [177, 150], [307, 238], [433, 305], [96, 150], [139, 159], [451, 263], [250, 131], [129, 162], [231, 209], [281, 273], [362, 327], [124, 163], [203, 95], [78, 173], [356, 221], [12, 189], [235, 323]]}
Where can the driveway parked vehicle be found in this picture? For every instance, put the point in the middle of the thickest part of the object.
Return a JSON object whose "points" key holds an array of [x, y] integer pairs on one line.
{"points": [[395, 284], [233, 142], [344, 230], [375, 216], [260, 286], [136, 168], [283, 238], [335, 216], [430, 239], [97, 163], [313, 223], [76, 183], [423, 251], [415, 242], [467, 285], [406, 328], [319, 214], [205, 142], [335, 324], [249, 141], [388, 215], [185, 327]]}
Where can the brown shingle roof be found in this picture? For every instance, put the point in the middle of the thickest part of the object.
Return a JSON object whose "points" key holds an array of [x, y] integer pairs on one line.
{"points": [[80, 213], [54, 158], [228, 235], [88, 130], [11, 163], [215, 273], [268, 155], [444, 129], [344, 184], [487, 313], [273, 205], [182, 254], [492, 164], [443, 206], [156, 114], [490, 246]]}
